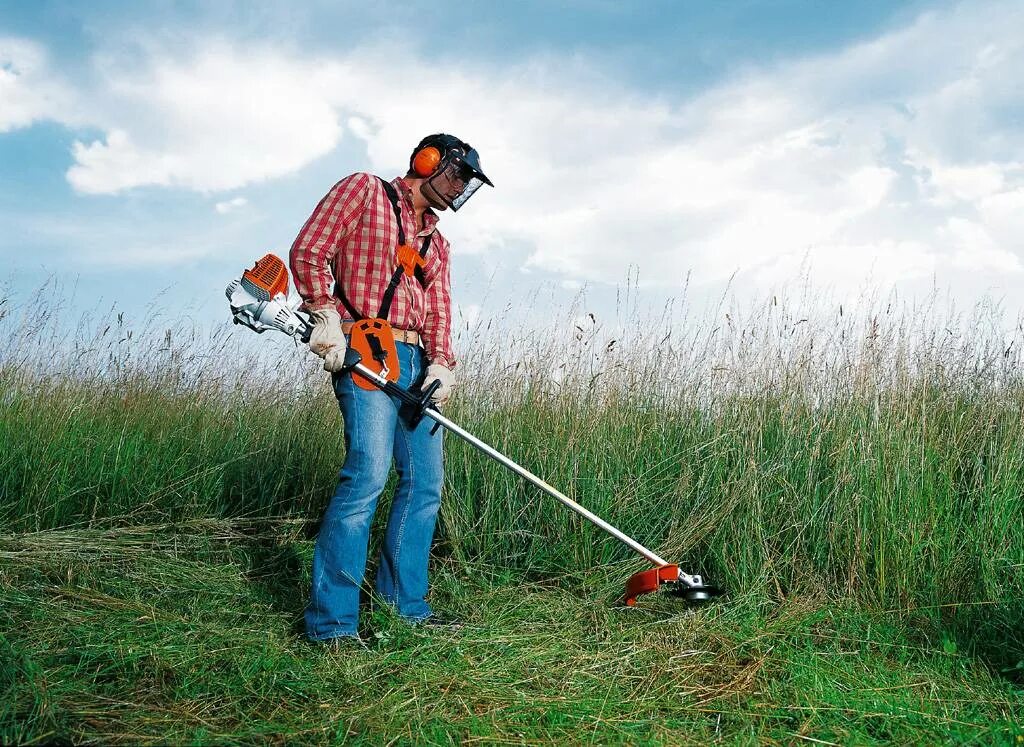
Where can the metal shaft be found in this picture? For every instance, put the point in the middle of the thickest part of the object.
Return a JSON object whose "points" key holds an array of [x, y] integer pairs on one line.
{"points": [[497, 456]]}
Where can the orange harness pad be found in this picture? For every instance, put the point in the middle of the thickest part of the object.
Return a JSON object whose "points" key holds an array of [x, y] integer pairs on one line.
{"points": [[375, 343]]}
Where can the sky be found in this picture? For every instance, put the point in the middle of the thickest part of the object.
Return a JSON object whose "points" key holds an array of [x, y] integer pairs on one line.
{"points": [[151, 151]]}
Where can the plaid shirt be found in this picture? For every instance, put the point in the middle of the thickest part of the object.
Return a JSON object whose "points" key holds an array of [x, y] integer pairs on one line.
{"points": [[352, 237]]}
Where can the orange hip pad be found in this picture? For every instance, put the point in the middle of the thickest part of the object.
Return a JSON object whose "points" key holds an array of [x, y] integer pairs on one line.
{"points": [[375, 343]]}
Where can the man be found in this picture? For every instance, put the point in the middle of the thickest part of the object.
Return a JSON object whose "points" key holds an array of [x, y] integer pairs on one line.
{"points": [[351, 239]]}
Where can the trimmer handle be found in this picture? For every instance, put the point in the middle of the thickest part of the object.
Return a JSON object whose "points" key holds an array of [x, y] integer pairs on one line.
{"points": [[352, 357], [416, 405], [428, 394]]}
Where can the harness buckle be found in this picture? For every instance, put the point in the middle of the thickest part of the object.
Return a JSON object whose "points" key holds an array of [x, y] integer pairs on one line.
{"points": [[410, 259]]}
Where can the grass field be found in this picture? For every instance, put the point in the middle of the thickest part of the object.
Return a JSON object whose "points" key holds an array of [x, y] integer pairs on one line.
{"points": [[855, 481]]}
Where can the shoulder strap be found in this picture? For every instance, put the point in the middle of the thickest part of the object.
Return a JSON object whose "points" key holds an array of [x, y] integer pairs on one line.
{"points": [[340, 294], [389, 293], [396, 278], [392, 194]]}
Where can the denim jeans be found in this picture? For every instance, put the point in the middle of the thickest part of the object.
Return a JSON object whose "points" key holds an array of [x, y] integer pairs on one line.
{"points": [[374, 434]]}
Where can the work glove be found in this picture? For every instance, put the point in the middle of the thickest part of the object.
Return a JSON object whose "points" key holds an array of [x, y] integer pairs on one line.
{"points": [[327, 340], [437, 372]]}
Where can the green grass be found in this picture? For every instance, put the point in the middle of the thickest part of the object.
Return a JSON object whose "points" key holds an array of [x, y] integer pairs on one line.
{"points": [[855, 482], [189, 633]]}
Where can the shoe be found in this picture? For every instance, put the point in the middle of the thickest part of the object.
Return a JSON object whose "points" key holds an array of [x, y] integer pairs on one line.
{"points": [[438, 622]]}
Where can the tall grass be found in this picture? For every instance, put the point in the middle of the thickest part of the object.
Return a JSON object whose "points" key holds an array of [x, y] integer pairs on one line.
{"points": [[877, 452]]}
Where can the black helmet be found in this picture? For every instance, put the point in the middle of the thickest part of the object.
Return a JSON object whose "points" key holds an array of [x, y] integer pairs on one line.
{"points": [[446, 156]]}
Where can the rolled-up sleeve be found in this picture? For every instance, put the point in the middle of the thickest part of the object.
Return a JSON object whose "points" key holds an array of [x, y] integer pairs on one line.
{"points": [[313, 252], [437, 324]]}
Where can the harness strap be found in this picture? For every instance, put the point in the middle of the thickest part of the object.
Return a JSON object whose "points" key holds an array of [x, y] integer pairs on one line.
{"points": [[392, 193], [389, 293], [346, 303]]}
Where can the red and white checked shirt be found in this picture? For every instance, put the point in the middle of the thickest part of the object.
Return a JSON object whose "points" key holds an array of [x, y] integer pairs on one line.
{"points": [[352, 237]]}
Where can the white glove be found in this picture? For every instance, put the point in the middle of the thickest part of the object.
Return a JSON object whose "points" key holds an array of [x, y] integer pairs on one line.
{"points": [[327, 340], [437, 372]]}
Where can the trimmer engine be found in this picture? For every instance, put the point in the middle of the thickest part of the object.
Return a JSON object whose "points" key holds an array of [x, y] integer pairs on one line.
{"points": [[259, 300]]}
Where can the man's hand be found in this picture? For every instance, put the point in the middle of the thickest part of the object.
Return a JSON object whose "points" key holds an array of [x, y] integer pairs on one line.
{"points": [[327, 340], [437, 372]]}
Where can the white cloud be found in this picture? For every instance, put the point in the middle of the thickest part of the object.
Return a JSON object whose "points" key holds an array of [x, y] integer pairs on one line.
{"points": [[213, 121], [228, 205], [1002, 215], [117, 164], [889, 158], [975, 249], [29, 91], [974, 182]]}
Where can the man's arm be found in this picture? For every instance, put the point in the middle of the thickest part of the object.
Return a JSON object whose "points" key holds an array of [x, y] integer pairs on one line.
{"points": [[437, 326], [313, 251]]}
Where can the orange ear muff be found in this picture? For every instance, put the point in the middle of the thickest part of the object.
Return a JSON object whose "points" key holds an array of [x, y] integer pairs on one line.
{"points": [[426, 161]]}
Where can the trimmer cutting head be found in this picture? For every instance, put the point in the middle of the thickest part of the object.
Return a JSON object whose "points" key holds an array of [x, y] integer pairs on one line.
{"points": [[691, 588]]}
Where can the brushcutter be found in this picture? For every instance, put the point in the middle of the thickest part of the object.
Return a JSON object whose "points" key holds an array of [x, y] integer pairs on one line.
{"points": [[259, 300]]}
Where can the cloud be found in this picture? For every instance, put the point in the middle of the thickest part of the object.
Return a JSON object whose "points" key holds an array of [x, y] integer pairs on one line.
{"points": [[976, 249], [29, 89], [872, 160], [215, 120], [891, 157], [228, 205]]}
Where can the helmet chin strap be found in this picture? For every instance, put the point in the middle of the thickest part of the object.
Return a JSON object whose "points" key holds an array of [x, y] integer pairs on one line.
{"points": [[431, 196], [434, 196], [422, 197]]}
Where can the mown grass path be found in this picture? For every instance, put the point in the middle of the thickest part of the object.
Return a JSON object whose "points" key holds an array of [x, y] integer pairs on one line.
{"points": [[191, 633]]}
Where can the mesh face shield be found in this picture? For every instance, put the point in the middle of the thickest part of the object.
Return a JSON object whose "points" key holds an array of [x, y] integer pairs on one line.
{"points": [[471, 186], [456, 180]]}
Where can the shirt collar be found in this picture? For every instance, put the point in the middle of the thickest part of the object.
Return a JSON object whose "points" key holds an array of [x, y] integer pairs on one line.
{"points": [[430, 218]]}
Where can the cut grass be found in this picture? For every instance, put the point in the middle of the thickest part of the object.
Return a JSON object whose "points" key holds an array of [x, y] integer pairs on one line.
{"points": [[191, 633]]}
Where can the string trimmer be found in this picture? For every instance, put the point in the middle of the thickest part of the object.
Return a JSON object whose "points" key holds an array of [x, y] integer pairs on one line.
{"points": [[259, 300]]}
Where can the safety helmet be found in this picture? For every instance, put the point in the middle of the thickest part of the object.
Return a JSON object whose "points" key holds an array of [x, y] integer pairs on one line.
{"points": [[446, 163]]}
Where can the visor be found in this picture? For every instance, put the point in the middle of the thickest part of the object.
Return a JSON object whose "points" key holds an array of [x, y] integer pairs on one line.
{"points": [[458, 179], [472, 161], [471, 186]]}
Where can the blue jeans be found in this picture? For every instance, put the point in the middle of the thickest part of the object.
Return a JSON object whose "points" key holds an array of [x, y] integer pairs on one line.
{"points": [[374, 433]]}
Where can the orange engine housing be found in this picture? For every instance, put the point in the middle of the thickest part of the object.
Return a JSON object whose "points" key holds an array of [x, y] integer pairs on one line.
{"points": [[268, 277]]}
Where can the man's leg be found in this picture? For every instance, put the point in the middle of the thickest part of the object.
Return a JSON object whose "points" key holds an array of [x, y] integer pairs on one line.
{"points": [[402, 575], [339, 558]]}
